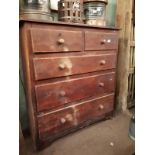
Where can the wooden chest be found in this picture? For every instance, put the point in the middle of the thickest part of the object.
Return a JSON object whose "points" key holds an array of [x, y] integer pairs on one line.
{"points": [[69, 76]]}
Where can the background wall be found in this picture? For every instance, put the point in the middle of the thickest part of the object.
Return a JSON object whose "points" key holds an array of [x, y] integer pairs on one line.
{"points": [[111, 12], [110, 17]]}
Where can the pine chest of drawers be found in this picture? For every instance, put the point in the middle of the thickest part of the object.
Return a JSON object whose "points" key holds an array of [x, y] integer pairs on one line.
{"points": [[69, 76]]}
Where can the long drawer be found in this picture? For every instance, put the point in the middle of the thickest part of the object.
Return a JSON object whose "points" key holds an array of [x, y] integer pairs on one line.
{"points": [[49, 67], [100, 41], [52, 124], [51, 40], [56, 94]]}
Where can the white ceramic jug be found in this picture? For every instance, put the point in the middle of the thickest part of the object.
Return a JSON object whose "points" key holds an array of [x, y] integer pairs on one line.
{"points": [[54, 4]]}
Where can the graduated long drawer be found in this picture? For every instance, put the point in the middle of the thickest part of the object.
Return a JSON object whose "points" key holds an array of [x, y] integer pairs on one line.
{"points": [[56, 94], [49, 67], [50, 125]]}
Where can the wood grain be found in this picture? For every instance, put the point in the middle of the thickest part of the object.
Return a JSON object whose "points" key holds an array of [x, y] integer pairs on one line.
{"points": [[51, 40], [52, 95], [50, 67], [69, 76], [124, 16], [51, 124], [100, 41]]}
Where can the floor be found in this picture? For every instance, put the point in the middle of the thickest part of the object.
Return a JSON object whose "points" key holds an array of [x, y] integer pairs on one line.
{"points": [[108, 137]]}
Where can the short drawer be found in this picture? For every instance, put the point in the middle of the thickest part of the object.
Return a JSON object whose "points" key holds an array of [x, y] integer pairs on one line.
{"points": [[94, 109], [100, 41], [51, 40], [49, 67], [55, 123], [56, 94]]}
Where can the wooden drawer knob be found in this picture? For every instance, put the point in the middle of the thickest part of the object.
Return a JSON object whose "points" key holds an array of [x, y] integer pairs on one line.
{"points": [[62, 66], [103, 62], [103, 41], [101, 107], [69, 117], [101, 84], [65, 49], [61, 41], [109, 41], [63, 120], [62, 93]]}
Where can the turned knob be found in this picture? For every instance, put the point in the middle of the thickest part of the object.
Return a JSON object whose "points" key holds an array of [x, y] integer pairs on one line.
{"points": [[62, 66], [62, 93], [101, 107], [63, 120], [103, 41], [109, 41], [65, 49], [101, 84], [61, 41], [103, 62], [69, 117]]}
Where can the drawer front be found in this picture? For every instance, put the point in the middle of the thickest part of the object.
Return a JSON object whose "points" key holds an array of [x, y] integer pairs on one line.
{"points": [[100, 41], [60, 93], [49, 67], [94, 109], [48, 40], [55, 123]]}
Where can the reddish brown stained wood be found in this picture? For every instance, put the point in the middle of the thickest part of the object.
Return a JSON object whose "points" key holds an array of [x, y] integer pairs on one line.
{"points": [[60, 93], [96, 108], [49, 67], [27, 70], [53, 123], [57, 122], [52, 40], [66, 96], [100, 41]]}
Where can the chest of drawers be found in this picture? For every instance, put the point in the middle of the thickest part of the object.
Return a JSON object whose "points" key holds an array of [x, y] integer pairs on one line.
{"points": [[69, 72]]}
